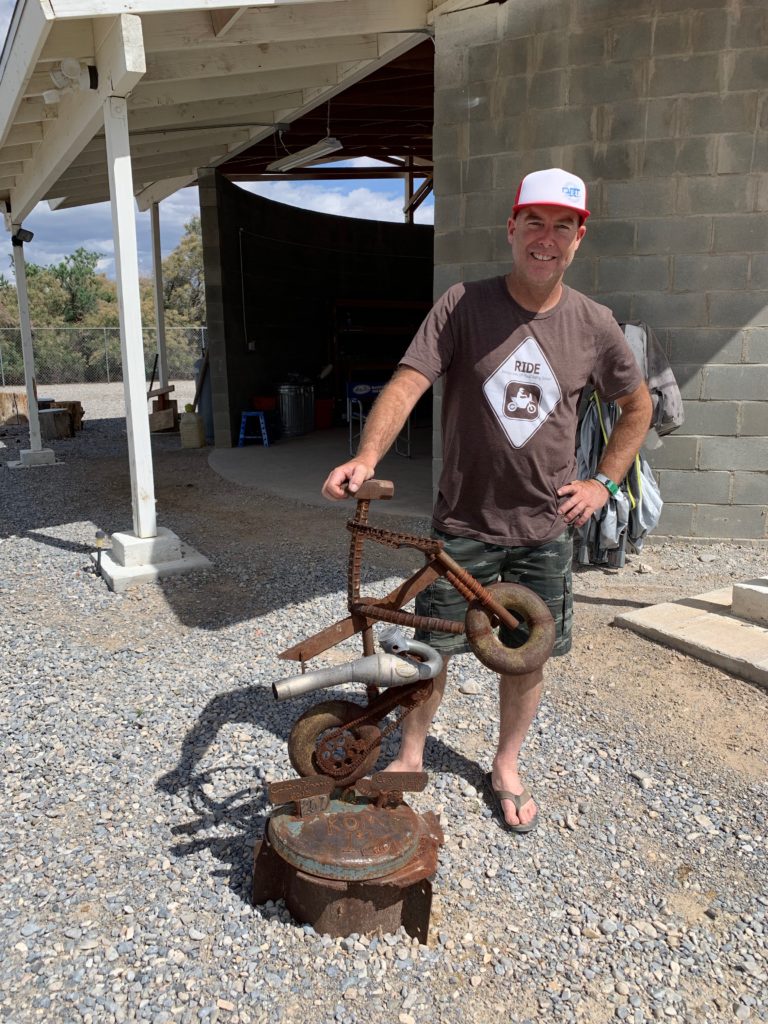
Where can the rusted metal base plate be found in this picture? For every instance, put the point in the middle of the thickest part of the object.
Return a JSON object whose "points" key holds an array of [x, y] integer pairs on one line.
{"points": [[337, 906], [350, 841]]}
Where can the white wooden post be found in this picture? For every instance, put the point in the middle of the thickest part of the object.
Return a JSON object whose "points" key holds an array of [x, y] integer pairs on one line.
{"points": [[28, 354], [131, 344], [157, 268]]}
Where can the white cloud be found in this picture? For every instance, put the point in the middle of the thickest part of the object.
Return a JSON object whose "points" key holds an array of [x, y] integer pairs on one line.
{"points": [[340, 199]]}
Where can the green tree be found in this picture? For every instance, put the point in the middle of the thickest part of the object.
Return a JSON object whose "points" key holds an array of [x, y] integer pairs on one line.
{"points": [[82, 287], [183, 279], [73, 296]]}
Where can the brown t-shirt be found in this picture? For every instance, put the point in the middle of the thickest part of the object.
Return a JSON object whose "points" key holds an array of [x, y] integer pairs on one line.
{"points": [[513, 380]]}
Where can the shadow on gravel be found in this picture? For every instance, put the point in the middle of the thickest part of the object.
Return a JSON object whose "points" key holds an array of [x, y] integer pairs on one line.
{"points": [[254, 540], [232, 796], [216, 802], [622, 601], [57, 542]]}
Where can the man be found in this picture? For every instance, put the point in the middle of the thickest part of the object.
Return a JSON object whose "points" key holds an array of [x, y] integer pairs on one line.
{"points": [[515, 353]]}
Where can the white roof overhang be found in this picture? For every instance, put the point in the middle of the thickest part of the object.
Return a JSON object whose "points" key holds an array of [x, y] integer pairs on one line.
{"points": [[203, 80]]}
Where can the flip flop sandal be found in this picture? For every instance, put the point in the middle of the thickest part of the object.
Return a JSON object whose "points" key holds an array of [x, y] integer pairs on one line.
{"points": [[518, 799]]}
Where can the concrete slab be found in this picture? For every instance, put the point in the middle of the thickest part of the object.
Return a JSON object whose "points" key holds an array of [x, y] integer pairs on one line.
{"points": [[296, 468], [706, 628]]}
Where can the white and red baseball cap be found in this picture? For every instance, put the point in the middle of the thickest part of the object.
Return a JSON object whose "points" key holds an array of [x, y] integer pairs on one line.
{"points": [[553, 187]]}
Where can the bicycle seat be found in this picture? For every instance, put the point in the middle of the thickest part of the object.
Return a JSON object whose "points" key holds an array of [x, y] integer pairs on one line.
{"points": [[374, 489]]}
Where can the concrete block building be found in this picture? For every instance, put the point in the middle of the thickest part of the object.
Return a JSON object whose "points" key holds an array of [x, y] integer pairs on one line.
{"points": [[662, 108]]}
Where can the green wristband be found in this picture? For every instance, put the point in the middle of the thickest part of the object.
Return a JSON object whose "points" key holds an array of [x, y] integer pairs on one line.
{"points": [[610, 486]]}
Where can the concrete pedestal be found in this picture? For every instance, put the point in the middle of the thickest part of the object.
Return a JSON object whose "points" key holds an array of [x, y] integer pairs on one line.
{"points": [[750, 601], [28, 459], [133, 560]]}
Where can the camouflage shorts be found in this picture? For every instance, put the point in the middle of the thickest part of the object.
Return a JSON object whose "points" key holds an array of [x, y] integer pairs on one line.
{"points": [[546, 570]]}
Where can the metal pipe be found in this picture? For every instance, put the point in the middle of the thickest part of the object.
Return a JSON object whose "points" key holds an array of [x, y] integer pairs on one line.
{"points": [[394, 641], [377, 670]]}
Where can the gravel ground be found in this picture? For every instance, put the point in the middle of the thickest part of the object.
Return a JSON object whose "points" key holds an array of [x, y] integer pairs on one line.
{"points": [[138, 732]]}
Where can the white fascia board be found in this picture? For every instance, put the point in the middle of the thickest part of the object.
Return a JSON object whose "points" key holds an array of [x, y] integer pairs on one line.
{"points": [[120, 61], [160, 190], [29, 28], [107, 8], [178, 65], [232, 86], [284, 24]]}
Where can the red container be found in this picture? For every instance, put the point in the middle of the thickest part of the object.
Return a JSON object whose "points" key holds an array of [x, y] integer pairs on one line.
{"points": [[323, 413], [263, 403]]}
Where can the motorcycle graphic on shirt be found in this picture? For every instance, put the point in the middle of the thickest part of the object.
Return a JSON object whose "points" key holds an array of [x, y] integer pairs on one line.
{"points": [[521, 401], [522, 392]]}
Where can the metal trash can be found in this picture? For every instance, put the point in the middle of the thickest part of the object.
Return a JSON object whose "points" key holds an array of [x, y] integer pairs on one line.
{"points": [[297, 408]]}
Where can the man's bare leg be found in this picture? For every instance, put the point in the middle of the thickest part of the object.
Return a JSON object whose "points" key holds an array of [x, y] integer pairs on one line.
{"points": [[415, 728], [519, 698]]}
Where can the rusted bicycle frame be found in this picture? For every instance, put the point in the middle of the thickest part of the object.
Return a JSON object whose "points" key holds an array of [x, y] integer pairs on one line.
{"points": [[341, 738], [346, 851], [488, 606]]}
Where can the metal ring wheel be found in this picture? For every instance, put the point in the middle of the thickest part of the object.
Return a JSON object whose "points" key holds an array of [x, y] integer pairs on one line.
{"points": [[486, 646], [308, 731]]}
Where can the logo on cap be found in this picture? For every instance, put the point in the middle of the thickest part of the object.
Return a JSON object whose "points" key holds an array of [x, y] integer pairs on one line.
{"points": [[572, 191]]}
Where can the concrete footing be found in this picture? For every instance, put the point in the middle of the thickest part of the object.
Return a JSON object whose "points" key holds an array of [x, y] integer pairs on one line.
{"points": [[28, 458], [750, 601], [133, 560], [708, 627]]}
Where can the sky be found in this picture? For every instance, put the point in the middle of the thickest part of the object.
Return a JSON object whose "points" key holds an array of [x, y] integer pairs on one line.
{"points": [[60, 232]]}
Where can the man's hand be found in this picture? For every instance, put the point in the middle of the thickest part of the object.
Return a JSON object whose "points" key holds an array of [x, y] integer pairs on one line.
{"points": [[582, 498], [346, 480]]}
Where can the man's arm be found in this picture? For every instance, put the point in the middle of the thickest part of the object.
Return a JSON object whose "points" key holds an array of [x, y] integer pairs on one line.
{"points": [[385, 421], [583, 497]]}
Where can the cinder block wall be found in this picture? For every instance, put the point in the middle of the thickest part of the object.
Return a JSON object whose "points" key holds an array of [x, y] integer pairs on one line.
{"points": [[663, 108]]}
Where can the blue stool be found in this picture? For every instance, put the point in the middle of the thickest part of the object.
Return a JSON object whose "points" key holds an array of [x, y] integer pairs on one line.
{"points": [[245, 436]]}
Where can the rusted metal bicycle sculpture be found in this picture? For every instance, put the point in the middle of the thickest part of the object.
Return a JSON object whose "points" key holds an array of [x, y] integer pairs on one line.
{"points": [[341, 739]]}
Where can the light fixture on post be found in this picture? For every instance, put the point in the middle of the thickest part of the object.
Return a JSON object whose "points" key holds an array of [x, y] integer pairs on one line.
{"points": [[71, 75], [306, 156], [21, 236]]}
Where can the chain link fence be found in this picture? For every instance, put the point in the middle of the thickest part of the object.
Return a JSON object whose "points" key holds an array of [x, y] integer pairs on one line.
{"points": [[91, 355]]}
